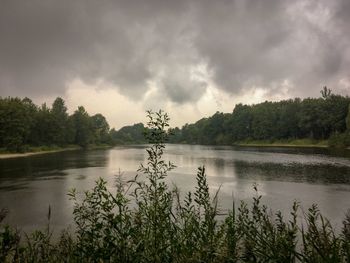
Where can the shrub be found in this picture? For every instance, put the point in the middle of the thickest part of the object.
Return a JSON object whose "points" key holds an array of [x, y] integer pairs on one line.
{"points": [[339, 140]]}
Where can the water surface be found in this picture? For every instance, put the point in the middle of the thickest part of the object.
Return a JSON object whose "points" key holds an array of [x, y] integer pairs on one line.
{"points": [[29, 185]]}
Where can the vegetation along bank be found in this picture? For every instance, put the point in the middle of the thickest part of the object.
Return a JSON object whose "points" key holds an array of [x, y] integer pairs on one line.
{"points": [[310, 122]]}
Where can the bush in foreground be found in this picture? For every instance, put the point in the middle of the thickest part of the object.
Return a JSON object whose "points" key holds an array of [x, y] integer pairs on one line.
{"points": [[144, 220]]}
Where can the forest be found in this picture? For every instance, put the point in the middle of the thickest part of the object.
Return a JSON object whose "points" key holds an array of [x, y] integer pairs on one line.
{"points": [[311, 120], [323, 118], [24, 125]]}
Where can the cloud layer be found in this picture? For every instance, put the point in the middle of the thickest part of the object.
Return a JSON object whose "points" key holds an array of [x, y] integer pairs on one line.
{"points": [[175, 50]]}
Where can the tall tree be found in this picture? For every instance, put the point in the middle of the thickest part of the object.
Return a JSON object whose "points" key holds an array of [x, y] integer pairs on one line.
{"points": [[100, 128], [15, 123], [348, 120], [31, 111], [44, 128], [326, 92], [60, 119], [82, 123], [240, 122], [129, 134], [264, 119]]}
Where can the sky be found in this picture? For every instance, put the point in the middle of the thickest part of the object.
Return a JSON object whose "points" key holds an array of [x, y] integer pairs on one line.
{"points": [[190, 58]]}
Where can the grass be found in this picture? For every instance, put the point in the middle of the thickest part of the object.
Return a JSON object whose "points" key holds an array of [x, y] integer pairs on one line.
{"points": [[42, 148], [285, 143], [144, 220], [34, 150]]}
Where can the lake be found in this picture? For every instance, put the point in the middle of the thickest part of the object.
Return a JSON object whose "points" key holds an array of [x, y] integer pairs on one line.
{"points": [[29, 185]]}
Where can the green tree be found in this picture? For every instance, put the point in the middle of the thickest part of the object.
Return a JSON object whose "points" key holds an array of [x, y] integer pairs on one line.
{"points": [[32, 111], [240, 122], [15, 123], [264, 119], [348, 120], [100, 128], [287, 122], [214, 129], [176, 135], [129, 134], [83, 127], [335, 112], [59, 121], [44, 127], [326, 92]]}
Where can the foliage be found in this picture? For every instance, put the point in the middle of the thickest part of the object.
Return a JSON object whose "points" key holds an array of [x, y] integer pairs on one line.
{"points": [[23, 124], [326, 92], [100, 128], [59, 121], [143, 220], [340, 140], [348, 120], [82, 124], [311, 118], [15, 123], [129, 135]]}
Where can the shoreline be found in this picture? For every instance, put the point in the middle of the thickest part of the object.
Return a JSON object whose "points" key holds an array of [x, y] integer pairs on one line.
{"points": [[274, 144], [281, 145], [28, 154], [295, 143]]}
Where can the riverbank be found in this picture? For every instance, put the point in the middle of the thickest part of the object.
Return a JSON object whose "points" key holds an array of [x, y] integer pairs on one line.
{"points": [[47, 150], [37, 152], [302, 143]]}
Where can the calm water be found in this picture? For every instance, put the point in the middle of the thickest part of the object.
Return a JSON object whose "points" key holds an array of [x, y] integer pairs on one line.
{"points": [[29, 185]]}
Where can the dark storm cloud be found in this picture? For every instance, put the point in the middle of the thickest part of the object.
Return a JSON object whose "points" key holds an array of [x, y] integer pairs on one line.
{"points": [[46, 44], [264, 42]]}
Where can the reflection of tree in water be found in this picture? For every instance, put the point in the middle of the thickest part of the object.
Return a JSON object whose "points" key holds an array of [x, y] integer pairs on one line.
{"points": [[13, 187], [50, 165], [325, 174]]}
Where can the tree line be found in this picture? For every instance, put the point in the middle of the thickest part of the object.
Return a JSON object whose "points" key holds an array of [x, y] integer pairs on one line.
{"points": [[24, 124], [326, 117]]}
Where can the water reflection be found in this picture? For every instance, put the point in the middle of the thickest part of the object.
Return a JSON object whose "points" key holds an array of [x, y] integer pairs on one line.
{"points": [[293, 172], [29, 185]]}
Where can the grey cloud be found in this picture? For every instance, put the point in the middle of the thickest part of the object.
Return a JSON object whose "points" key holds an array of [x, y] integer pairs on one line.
{"points": [[269, 41], [178, 85], [46, 44]]}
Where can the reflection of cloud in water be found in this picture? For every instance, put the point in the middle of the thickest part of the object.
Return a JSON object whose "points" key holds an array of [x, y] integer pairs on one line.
{"points": [[126, 158]]}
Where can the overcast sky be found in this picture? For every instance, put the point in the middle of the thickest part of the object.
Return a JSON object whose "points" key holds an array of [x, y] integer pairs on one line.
{"points": [[188, 57]]}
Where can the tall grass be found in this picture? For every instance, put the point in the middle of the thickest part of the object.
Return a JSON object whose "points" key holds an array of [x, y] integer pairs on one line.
{"points": [[143, 220]]}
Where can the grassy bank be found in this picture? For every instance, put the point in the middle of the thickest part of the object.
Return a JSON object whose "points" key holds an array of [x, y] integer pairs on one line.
{"points": [[307, 143], [37, 150]]}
